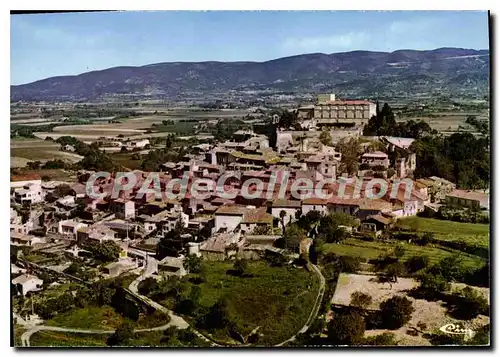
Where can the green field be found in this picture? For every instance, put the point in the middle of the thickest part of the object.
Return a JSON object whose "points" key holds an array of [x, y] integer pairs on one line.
{"points": [[18, 331], [470, 233], [65, 339], [126, 160], [373, 250], [102, 318], [279, 300]]}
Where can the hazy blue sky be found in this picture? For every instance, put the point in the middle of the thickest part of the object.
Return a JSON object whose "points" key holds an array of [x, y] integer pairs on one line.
{"points": [[65, 44]]}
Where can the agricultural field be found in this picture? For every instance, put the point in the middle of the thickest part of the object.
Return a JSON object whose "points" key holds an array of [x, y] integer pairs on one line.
{"points": [[38, 150], [447, 122], [469, 233], [279, 300], [373, 250], [127, 160]]}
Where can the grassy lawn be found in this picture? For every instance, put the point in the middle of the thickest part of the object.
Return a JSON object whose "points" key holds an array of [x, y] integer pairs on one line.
{"points": [[126, 160], [154, 339], [279, 300], [18, 331], [65, 339], [57, 290], [102, 318], [470, 233], [372, 250]]}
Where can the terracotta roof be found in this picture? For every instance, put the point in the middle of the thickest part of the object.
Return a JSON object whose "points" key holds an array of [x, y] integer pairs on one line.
{"points": [[257, 216], [469, 195], [231, 210], [286, 203], [380, 219], [25, 177], [314, 201]]}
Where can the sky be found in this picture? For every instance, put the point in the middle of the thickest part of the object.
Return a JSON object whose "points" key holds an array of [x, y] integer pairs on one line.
{"points": [[48, 45]]}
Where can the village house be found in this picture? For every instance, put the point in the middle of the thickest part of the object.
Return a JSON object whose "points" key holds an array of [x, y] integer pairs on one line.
{"points": [[122, 208], [314, 204], [70, 228], [256, 218], [475, 200], [136, 144], [21, 239], [229, 217], [171, 266], [375, 224], [30, 193], [27, 283], [376, 158], [291, 208], [117, 268], [97, 232], [221, 246]]}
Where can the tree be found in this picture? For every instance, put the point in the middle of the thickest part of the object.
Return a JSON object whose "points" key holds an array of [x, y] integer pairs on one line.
{"points": [[240, 266], [193, 264], [360, 300], [330, 226], [293, 236], [325, 138], [416, 263], [147, 286], [168, 142], [432, 286], [107, 251], [350, 150], [399, 252], [123, 333], [396, 311], [62, 190], [346, 329], [393, 271], [468, 303], [348, 264], [282, 219], [261, 230], [218, 315]]}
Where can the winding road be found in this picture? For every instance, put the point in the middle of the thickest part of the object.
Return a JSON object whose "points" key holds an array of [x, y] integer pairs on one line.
{"points": [[175, 320]]}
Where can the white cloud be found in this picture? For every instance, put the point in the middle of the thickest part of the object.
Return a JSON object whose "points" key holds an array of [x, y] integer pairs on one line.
{"points": [[412, 26], [328, 43]]}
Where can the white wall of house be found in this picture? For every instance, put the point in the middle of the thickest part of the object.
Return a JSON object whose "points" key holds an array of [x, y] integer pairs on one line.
{"points": [[33, 284], [228, 222]]}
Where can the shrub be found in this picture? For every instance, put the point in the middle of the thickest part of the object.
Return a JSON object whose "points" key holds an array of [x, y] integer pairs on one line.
{"points": [[349, 264], [361, 300], [396, 311], [416, 263], [432, 286], [385, 339], [468, 303], [346, 329]]}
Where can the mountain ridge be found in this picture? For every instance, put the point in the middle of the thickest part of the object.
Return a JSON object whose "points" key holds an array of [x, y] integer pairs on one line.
{"points": [[305, 72]]}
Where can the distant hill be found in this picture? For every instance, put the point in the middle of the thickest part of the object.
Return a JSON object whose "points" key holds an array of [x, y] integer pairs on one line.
{"points": [[356, 73]]}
